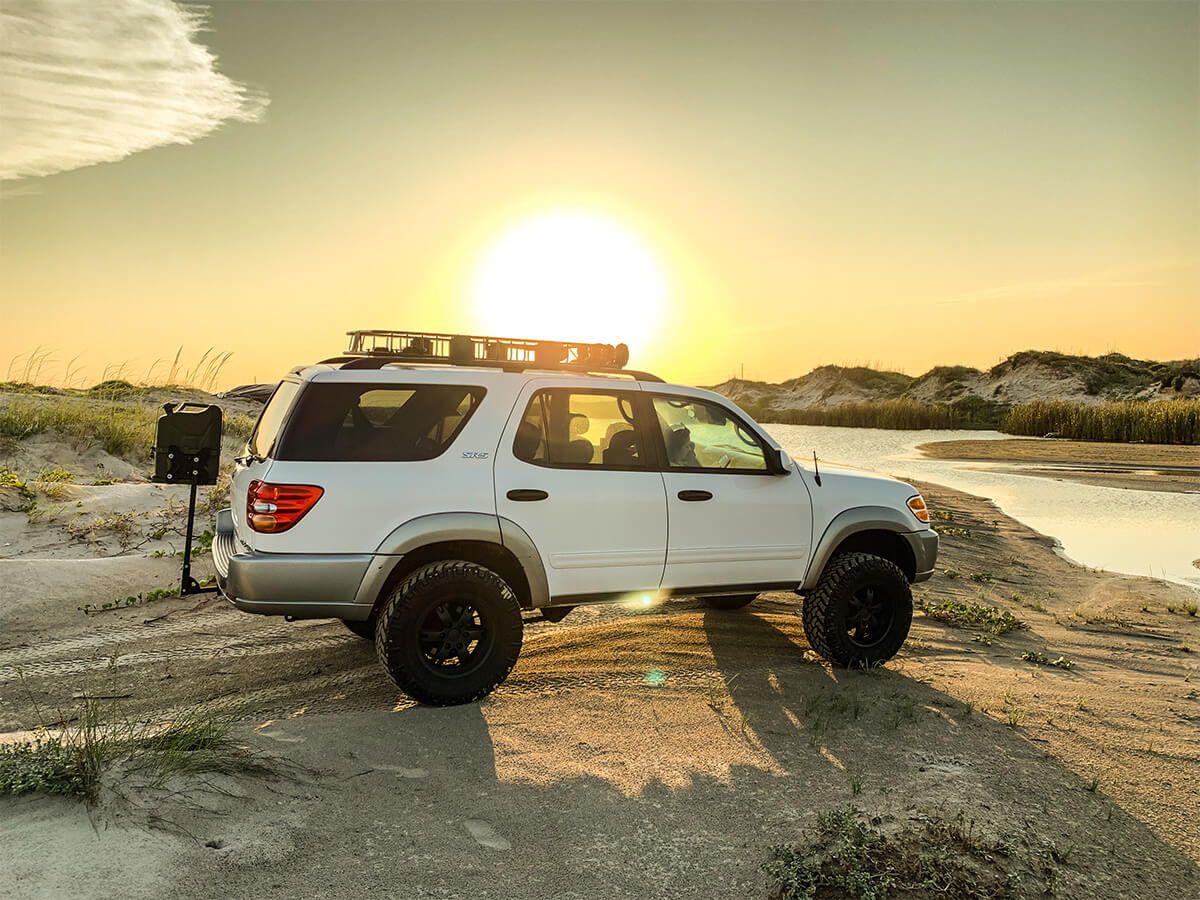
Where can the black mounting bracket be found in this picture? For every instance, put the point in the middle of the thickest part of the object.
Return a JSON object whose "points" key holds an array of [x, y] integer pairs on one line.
{"points": [[188, 584]]}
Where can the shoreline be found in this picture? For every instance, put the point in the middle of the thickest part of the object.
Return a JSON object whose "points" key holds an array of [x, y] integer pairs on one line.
{"points": [[1171, 468]]}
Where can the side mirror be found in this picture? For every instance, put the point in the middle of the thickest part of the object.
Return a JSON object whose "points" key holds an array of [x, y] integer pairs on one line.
{"points": [[778, 462]]}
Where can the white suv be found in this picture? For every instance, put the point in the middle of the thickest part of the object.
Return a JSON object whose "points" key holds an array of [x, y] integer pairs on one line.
{"points": [[427, 489]]}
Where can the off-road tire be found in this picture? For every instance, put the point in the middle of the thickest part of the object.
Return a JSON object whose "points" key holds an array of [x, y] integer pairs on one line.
{"points": [[733, 601], [437, 613], [364, 628], [838, 618], [555, 613]]}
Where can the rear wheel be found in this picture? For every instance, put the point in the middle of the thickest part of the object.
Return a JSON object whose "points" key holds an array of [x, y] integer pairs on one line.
{"points": [[860, 611], [364, 628], [733, 601], [449, 633]]}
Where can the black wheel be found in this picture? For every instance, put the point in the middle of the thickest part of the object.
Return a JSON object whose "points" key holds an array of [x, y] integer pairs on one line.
{"points": [[364, 628], [449, 633], [733, 601], [860, 611], [555, 613]]}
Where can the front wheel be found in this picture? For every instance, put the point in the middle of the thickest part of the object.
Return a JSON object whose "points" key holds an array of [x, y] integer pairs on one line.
{"points": [[450, 633], [734, 601], [860, 611]]}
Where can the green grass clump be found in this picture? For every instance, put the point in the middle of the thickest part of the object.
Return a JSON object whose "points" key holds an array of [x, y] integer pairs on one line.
{"points": [[238, 426], [1155, 422], [9, 478], [852, 857], [120, 430], [996, 621], [72, 762]]}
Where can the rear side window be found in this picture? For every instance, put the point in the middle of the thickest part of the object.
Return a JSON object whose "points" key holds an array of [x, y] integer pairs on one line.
{"points": [[562, 428], [262, 441], [376, 423]]}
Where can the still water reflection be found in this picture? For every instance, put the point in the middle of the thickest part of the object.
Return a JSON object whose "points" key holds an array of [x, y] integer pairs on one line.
{"points": [[1137, 532]]}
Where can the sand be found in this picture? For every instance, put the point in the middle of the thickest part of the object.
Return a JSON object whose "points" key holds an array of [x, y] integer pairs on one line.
{"points": [[1150, 467], [632, 753]]}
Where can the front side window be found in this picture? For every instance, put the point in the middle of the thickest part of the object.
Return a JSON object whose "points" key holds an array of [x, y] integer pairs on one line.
{"points": [[568, 429], [376, 423], [702, 435]]}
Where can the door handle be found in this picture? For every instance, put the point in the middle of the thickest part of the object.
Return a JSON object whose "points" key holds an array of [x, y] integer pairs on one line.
{"points": [[524, 495], [692, 496]]}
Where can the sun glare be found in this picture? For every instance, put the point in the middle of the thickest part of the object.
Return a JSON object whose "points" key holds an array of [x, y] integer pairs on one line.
{"points": [[570, 275]]}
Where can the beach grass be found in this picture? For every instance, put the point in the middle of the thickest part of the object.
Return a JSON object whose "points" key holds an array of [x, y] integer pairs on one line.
{"points": [[122, 429], [1152, 422]]}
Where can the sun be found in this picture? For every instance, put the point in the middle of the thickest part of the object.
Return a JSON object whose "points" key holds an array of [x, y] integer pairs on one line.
{"points": [[570, 274]]}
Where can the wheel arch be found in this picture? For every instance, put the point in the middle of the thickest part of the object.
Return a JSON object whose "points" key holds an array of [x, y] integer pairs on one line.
{"points": [[481, 538], [878, 530]]}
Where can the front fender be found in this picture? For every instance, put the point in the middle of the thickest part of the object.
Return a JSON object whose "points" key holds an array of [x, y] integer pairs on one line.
{"points": [[864, 518]]}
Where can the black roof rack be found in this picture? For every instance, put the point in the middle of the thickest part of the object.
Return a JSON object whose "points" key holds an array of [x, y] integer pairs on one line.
{"points": [[375, 349]]}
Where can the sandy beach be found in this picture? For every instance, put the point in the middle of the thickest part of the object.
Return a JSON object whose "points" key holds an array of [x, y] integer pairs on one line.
{"points": [[632, 753], [1150, 467]]}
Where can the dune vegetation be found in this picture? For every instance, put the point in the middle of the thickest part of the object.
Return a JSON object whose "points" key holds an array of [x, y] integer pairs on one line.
{"points": [[122, 429], [1149, 421], [1154, 422]]}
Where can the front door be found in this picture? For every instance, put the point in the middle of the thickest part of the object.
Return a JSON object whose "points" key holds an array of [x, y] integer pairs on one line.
{"points": [[575, 471], [732, 522]]}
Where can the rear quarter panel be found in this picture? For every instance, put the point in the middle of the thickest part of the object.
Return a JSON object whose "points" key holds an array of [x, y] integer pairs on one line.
{"points": [[363, 502]]}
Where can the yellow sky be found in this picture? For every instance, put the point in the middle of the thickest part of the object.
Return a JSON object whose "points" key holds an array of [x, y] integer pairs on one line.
{"points": [[894, 184]]}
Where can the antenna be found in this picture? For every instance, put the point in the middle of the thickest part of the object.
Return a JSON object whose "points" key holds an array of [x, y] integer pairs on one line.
{"points": [[816, 471]]}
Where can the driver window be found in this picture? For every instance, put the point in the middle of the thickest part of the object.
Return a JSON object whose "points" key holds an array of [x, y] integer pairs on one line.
{"points": [[702, 435]]}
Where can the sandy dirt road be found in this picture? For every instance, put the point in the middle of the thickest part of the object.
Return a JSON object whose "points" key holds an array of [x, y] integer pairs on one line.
{"points": [[632, 753]]}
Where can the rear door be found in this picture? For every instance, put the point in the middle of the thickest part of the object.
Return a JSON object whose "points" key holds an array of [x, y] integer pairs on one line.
{"points": [[575, 470], [732, 522]]}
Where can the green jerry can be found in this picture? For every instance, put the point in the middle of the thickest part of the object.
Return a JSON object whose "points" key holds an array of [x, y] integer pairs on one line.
{"points": [[187, 444]]}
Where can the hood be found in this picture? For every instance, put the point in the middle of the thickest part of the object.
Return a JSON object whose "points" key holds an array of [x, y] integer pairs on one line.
{"points": [[845, 486]]}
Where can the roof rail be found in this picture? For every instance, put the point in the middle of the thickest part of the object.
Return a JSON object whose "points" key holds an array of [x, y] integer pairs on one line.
{"points": [[373, 349]]}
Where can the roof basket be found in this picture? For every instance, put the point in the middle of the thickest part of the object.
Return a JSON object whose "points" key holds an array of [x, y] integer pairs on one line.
{"points": [[467, 349]]}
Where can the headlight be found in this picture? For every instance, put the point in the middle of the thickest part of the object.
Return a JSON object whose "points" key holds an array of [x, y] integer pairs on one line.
{"points": [[918, 507]]}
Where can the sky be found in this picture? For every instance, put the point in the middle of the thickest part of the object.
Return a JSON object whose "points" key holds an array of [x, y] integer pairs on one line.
{"points": [[729, 187]]}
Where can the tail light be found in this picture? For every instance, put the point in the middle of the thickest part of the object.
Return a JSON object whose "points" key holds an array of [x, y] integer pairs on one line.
{"points": [[272, 508]]}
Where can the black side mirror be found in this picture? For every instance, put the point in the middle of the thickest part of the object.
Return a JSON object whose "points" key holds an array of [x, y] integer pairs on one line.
{"points": [[778, 462]]}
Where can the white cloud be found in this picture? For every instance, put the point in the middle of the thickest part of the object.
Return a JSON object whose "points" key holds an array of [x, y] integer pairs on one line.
{"points": [[83, 82]]}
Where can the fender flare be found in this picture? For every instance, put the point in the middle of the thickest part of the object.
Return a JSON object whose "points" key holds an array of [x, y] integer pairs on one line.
{"points": [[848, 522], [437, 528]]}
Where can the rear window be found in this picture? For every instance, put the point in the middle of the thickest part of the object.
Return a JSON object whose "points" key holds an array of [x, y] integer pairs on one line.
{"points": [[269, 422], [376, 423]]}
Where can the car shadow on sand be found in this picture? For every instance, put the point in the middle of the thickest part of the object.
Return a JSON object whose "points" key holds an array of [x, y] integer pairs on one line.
{"points": [[612, 785]]}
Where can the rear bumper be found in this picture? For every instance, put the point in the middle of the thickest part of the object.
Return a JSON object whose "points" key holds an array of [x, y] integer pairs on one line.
{"points": [[924, 546], [303, 585]]}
